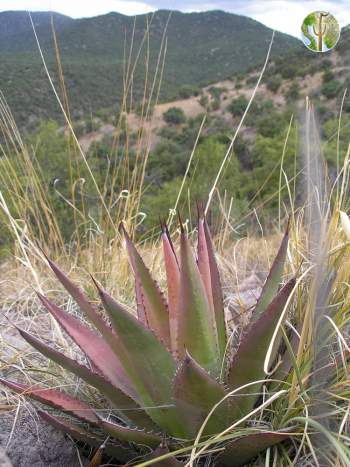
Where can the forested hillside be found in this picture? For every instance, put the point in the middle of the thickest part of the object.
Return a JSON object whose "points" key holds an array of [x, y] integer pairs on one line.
{"points": [[201, 48]]}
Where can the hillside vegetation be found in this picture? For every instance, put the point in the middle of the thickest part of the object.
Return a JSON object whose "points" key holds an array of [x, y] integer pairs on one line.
{"points": [[201, 48], [146, 152]]}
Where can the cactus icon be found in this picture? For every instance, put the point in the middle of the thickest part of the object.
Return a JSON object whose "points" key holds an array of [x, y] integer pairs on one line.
{"points": [[320, 31]]}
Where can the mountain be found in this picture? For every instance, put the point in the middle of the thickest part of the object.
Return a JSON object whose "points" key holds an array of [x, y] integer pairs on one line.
{"points": [[201, 48]]}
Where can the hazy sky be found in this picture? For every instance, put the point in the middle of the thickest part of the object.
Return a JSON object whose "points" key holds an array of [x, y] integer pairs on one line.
{"points": [[282, 15]]}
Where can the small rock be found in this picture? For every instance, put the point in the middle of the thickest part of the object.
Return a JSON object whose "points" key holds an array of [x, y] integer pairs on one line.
{"points": [[4, 460]]}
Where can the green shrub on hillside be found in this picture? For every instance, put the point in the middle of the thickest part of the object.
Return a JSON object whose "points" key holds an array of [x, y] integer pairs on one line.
{"points": [[186, 91], [331, 89], [273, 84], [327, 76], [204, 101], [292, 93], [238, 106], [174, 116]]}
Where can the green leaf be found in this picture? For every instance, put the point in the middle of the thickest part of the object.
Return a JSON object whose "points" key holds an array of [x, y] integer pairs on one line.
{"points": [[241, 451], [123, 454], [100, 353], [56, 399], [149, 365], [130, 435], [211, 279], [154, 305], [126, 408], [196, 393], [273, 279], [248, 364], [173, 281], [197, 330]]}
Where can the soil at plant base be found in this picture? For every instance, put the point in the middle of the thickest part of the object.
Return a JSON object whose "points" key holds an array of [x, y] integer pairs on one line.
{"points": [[30, 442]]}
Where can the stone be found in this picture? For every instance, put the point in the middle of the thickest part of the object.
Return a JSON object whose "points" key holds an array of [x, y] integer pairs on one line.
{"points": [[4, 460]]}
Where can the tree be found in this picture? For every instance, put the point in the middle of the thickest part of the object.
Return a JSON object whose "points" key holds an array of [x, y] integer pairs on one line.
{"points": [[174, 116]]}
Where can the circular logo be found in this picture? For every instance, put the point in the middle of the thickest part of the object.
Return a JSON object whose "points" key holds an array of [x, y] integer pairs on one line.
{"points": [[320, 31]]}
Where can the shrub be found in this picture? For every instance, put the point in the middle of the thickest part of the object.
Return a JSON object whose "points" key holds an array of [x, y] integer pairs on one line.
{"points": [[331, 89], [327, 76], [289, 71], [204, 101], [273, 84], [238, 106], [292, 92], [174, 116], [186, 91], [215, 105]]}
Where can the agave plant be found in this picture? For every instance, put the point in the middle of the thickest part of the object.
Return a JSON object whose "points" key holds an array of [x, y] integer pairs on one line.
{"points": [[168, 370]]}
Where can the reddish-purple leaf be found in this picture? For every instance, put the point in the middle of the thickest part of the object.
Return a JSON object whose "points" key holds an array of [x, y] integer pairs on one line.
{"points": [[173, 281], [96, 349], [56, 399], [247, 365], [241, 451], [123, 404], [154, 305], [81, 300], [121, 453]]}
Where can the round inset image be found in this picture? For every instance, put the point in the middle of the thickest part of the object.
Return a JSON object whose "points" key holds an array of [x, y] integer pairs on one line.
{"points": [[320, 31]]}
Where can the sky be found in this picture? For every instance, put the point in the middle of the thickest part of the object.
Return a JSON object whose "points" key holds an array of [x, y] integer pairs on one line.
{"points": [[282, 15]]}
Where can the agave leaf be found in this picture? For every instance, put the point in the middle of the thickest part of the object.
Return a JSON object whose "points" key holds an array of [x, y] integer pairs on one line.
{"points": [[155, 308], [169, 462], [81, 300], [197, 330], [56, 399], [120, 452], [248, 364], [96, 349], [130, 435], [239, 452], [273, 279], [196, 393], [211, 279], [125, 406], [149, 365], [173, 281]]}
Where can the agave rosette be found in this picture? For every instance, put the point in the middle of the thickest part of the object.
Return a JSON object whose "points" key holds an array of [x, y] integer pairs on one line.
{"points": [[164, 368]]}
